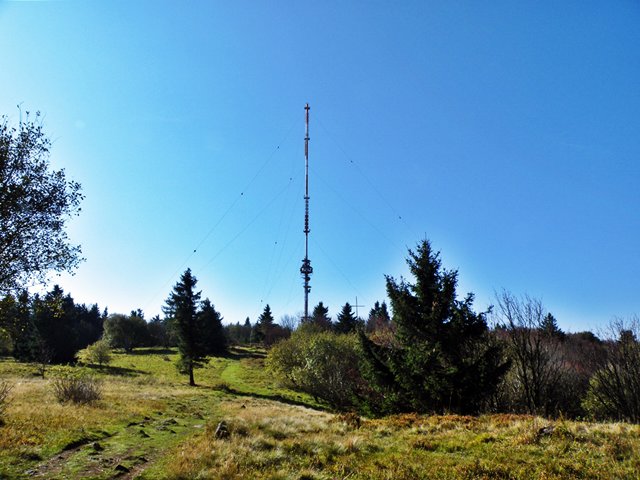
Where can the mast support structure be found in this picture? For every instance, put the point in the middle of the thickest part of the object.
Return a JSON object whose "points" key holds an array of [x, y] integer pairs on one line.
{"points": [[306, 270]]}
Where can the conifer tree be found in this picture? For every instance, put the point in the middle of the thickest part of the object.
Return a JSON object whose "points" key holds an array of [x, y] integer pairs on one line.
{"points": [[442, 358], [378, 317], [211, 321], [550, 327], [182, 305], [347, 321], [264, 326], [320, 318]]}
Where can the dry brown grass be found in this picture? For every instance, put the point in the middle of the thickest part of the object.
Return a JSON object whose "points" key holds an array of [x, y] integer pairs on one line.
{"points": [[270, 440]]}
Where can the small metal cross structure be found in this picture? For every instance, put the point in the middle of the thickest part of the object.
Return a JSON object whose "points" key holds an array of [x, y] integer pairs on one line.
{"points": [[356, 307]]}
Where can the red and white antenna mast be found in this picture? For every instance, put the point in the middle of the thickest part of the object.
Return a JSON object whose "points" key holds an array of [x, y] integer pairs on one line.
{"points": [[306, 270]]}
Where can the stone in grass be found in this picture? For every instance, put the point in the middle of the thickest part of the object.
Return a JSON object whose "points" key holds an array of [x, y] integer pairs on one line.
{"points": [[546, 431], [121, 469], [222, 431]]}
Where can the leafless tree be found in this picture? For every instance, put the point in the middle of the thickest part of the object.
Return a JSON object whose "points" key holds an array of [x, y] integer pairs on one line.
{"points": [[615, 387], [537, 355], [289, 322]]}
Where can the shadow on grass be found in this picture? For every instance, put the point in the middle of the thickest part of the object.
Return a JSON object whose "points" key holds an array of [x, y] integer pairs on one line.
{"points": [[263, 396], [119, 371], [152, 351], [238, 353]]}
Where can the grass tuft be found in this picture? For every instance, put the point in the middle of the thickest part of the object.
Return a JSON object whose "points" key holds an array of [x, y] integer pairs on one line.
{"points": [[77, 389]]}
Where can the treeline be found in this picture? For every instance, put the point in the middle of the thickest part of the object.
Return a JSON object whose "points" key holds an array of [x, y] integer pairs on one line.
{"points": [[435, 354], [50, 328], [53, 328], [429, 351]]}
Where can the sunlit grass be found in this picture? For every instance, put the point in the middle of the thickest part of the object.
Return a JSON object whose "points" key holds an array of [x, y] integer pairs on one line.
{"points": [[270, 440], [151, 422]]}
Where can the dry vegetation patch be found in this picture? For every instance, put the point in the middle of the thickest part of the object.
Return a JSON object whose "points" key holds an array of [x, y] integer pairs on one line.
{"points": [[155, 427], [271, 440]]}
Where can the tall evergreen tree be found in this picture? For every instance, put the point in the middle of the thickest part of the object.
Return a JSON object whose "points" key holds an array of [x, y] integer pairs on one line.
{"points": [[55, 319], [320, 318], [347, 321], [264, 326], [442, 358], [16, 317], [550, 327], [182, 305], [211, 321], [378, 317]]}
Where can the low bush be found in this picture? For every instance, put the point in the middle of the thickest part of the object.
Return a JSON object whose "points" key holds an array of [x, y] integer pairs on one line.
{"points": [[98, 353], [78, 389], [325, 365]]}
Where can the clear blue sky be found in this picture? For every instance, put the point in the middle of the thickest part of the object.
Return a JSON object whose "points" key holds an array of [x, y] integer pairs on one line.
{"points": [[505, 132]]}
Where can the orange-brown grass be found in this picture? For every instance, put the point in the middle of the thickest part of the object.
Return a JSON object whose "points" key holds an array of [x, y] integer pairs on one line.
{"points": [[271, 440]]}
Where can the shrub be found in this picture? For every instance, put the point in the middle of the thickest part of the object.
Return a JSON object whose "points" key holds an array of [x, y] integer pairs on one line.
{"points": [[5, 390], [325, 365], [96, 353], [78, 389]]}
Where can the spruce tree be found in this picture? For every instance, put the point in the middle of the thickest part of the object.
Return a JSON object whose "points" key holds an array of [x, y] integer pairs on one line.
{"points": [[378, 317], [211, 321], [16, 317], [347, 321], [182, 305], [442, 358], [550, 327], [320, 318], [264, 326]]}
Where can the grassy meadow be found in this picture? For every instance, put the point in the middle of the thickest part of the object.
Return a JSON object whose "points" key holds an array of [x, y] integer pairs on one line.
{"points": [[150, 425]]}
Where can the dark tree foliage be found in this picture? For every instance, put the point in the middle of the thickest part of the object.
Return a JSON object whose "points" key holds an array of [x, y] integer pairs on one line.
{"points": [[160, 333], [211, 321], [347, 322], [320, 319], [265, 329], [442, 358], [35, 204], [182, 306], [64, 327], [378, 317], [16, 318], [126, 331], [53, 317], [550, 327], [52, 328]]}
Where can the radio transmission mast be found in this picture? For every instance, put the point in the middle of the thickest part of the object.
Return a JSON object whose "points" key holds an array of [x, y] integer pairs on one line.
{"points": [[306, 270]]}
